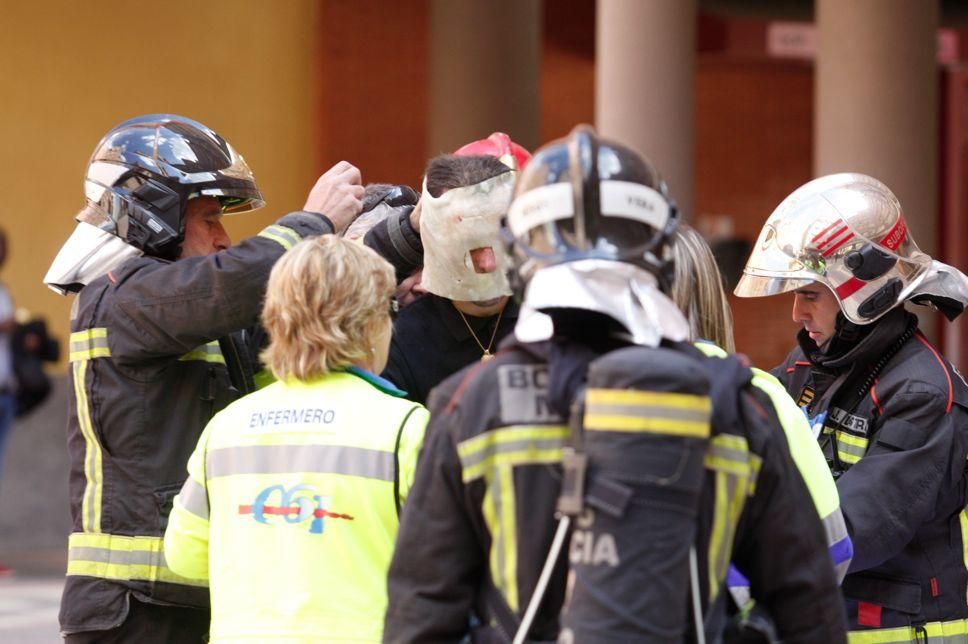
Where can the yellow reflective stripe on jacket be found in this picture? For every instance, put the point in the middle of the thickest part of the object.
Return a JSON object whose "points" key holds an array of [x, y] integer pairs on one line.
{"points": [[282, 235], [624, 410], [109, 556], [206, 353], [850, 448], [804, 449], [499, 509], [89, 343], [736, 470], [963, 518], [953, 632], [493, 456], [93, 473], [283, 459], [512, 445]]}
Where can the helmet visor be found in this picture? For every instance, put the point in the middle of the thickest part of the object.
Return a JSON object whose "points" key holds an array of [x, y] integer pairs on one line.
{"points": [[762, 286]]}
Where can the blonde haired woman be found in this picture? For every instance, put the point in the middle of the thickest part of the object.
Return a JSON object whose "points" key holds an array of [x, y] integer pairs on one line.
{"points": [[697, 289], [698, 292], [290, 509]]}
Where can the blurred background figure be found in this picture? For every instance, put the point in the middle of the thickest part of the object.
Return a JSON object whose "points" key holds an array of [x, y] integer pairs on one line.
{"points": [[8, 383]]}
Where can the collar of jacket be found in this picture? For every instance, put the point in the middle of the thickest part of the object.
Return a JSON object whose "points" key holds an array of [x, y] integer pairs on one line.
{"points": [[840, 357], [380, 383]]}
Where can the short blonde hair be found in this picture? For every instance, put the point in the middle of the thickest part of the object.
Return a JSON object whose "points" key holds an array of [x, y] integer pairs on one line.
{"points": [[324, 301], [697, 289]]}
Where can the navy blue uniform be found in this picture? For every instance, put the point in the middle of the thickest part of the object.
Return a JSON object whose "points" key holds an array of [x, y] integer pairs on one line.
{"points": [[897, 440]]}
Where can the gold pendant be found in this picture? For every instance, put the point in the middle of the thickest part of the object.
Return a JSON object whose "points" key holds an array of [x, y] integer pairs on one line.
{"points": [[487, 356]]}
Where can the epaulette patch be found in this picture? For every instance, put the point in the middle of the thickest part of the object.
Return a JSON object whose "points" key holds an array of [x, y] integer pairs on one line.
{"points": [[805, 397]]}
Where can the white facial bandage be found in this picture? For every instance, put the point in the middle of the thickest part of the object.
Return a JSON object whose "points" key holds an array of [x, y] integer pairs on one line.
{"points": [[454, 224]]}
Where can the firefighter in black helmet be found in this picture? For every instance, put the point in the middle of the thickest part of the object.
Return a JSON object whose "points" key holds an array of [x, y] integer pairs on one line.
{"points": [[596, 412], [161, 297]]}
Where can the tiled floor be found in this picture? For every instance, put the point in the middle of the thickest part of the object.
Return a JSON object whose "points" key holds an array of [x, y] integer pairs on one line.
{"points": [[28, 610]]}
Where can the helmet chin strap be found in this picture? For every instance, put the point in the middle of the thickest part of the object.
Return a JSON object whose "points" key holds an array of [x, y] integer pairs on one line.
{"points": [[846, 336], [846, 330]]}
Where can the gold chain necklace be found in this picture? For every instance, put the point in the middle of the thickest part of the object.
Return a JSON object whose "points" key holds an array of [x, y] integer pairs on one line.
{"points": [[487, 351]]}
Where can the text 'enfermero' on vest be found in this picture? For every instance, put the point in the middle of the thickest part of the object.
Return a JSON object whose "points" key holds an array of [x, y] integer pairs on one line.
{"points": [[304, 416]]}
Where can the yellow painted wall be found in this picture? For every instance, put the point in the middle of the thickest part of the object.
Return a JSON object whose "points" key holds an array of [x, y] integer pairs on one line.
{"points": [[69, 71]]}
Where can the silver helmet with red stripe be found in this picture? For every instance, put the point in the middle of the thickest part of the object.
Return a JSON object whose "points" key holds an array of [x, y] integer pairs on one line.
{"points": [[848, 232]]}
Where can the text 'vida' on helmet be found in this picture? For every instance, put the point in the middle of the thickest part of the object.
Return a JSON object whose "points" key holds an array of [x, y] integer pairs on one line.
{"points": [[848, 232]]}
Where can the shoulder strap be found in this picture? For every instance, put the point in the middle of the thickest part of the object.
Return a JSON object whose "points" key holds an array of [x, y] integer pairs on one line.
{"points": [[239, 368], [396, 459]]}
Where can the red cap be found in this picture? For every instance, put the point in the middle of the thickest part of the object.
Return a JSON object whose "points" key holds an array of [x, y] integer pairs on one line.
{"points": [[498, 145]]}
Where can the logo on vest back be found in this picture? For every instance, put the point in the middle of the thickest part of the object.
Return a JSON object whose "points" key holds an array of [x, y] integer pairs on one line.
{"points": [[296, 505]]}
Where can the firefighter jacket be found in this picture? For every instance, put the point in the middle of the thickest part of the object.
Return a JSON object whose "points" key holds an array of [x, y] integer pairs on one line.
{"points": [[290, 508], [892, 417], [810, 461], [479, 522], [147, 373]]}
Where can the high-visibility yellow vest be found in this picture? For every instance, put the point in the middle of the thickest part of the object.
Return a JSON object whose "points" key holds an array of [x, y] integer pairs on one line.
{"points": [[291, 507]]}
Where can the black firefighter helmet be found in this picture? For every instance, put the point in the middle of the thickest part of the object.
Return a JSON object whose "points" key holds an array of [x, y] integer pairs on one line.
{"points": [[585, 197], [144, 171]]}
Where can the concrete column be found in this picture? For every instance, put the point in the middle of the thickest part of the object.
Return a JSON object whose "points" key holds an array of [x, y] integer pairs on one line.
{"points": [[645, 84], [876, 100], [484, 60]]}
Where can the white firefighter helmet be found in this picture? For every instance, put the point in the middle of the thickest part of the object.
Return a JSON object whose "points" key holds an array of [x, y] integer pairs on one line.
{"points": [[848, 232]]}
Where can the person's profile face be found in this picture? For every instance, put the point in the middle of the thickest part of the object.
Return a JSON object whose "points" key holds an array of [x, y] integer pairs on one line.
{"points": [[816, 309], [204, 233]]}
